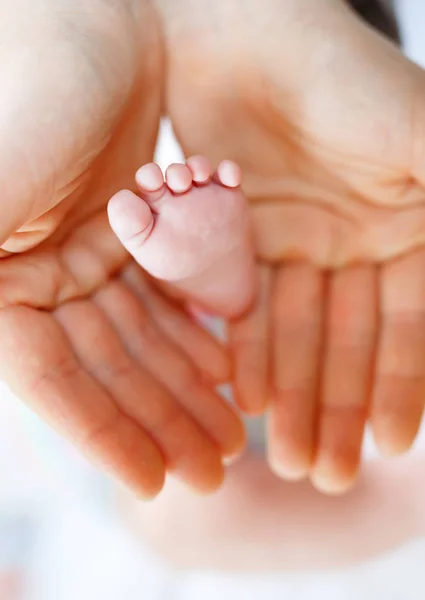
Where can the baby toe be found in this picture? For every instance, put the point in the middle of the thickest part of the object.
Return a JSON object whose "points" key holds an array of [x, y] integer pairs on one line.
{"points": [[229, 173]]}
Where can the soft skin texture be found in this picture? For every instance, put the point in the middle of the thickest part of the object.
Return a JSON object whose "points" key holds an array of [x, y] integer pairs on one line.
{"points": [[96, 350], [191, 232], [327, 120]]}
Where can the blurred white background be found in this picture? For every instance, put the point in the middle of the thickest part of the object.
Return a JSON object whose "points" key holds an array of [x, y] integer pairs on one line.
{"points": [[59, 540]]}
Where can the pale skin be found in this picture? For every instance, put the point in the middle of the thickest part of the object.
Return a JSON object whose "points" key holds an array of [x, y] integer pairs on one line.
{"points": [[57, 189], [192, 232], [56, 305], [256, 523], [334, 171], [86, 339]]}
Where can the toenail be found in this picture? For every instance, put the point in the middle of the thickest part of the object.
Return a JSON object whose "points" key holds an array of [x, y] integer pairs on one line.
{"points": [[150, 177], [178, 178], [200, 168], [229, 173]]}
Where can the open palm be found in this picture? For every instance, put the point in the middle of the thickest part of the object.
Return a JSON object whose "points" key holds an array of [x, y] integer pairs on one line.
{"points": [[86, 340], [327, 120]]}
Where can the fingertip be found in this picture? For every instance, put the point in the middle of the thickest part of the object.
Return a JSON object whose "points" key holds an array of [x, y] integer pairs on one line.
{"points": [[333, 480], [294, 471], [236, 444], [394, 434], [392, 446], [149, 490], [207, 481]]}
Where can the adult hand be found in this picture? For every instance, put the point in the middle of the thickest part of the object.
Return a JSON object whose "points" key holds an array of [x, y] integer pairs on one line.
{"points": [[327, 120], [94, 349]]}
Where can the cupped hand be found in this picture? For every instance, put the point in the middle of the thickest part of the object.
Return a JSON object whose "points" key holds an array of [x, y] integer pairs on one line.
{"points": [[327, 120], [84, 339]]}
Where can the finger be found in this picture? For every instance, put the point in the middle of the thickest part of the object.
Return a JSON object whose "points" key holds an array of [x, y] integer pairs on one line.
{"points": [[86, 259], [167, 365], [249, 340], [209, 356], [399, 392], [347, 372], [38, 363], [188, 452], [297, 313]]}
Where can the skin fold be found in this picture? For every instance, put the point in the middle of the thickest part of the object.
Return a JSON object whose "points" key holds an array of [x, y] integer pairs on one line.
{"points": [[332, 157], [81, 328]]}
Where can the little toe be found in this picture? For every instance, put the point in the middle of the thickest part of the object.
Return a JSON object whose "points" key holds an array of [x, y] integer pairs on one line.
{"points": [[130, 218], [150, 182], [229, 174], [200, 167], [178, 178]]}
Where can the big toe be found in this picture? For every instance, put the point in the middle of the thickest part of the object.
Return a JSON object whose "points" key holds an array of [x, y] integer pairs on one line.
{"points": [[130, 218]]}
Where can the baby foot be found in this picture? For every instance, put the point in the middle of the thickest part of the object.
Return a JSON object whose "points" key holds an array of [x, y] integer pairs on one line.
{"points": [[191, 231]]}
